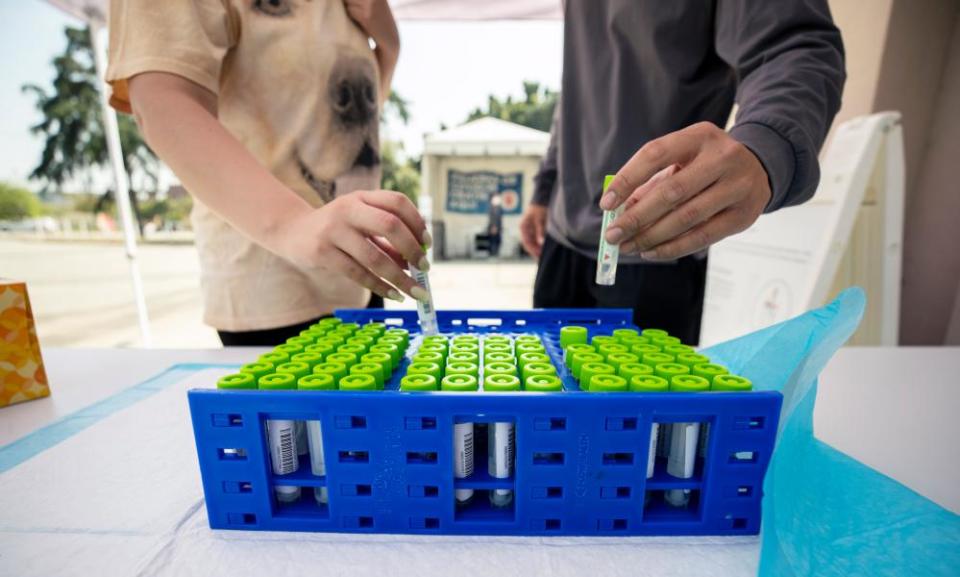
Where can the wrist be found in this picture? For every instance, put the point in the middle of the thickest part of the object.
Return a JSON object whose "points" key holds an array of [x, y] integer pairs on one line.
{"points": [[282, 217]]}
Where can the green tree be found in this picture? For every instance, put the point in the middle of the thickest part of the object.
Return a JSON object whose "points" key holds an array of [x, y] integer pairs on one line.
{"points": [[17, 203], [402, 176], [72, 125], [535, 110]]}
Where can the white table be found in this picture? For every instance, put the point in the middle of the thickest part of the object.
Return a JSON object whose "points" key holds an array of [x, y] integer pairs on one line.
{"points": [[893, 409]]}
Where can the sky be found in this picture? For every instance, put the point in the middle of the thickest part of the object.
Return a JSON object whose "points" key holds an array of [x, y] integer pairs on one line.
{"points": [[446, 70]]}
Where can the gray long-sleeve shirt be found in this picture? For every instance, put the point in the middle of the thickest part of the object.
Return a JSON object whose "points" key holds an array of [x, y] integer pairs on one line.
{"points": [[635, 70]]}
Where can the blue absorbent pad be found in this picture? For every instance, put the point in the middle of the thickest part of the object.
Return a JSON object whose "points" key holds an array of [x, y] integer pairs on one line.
{"points": [[825, 513]]}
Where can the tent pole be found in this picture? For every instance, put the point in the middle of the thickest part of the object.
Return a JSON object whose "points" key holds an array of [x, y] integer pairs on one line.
{"points": [[121, 183]]}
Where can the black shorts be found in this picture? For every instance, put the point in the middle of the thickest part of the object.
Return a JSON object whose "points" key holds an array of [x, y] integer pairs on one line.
{"points": [[279, 335], [663, 296]]}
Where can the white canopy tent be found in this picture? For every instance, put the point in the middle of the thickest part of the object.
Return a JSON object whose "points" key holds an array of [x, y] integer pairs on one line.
{"points": [[94, 12]]}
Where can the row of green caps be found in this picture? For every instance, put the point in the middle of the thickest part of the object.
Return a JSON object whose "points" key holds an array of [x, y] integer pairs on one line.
{"points": [[495, 382], [573, 334], [345, 350], [639, 377], [310, 382]]}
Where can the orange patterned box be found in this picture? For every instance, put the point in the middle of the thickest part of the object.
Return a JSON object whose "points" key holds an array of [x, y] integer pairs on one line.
{"points": [[22, 377]]}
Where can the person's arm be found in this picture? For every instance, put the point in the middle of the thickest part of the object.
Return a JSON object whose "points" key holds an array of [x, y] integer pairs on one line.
{"points": [[346, 236], [533, 223], [789, 58], [376, 19]]}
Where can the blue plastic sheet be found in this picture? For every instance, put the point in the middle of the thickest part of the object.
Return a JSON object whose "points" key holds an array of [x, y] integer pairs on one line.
{"points": [[824, 513]]}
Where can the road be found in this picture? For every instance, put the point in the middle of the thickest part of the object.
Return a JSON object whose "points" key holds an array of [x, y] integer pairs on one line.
{"points": [[82, 297]]}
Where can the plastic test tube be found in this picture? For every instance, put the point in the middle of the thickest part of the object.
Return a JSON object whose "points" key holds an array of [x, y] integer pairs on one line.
{"points": [[298, 370], [462, 436], [683, 440], [501, 441], [425, 310], [318, 466], [649, 383], [282, 438], [608, 254]]}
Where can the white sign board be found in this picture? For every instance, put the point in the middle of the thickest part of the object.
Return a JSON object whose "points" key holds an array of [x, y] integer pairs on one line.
{"points": [[787, 261]]}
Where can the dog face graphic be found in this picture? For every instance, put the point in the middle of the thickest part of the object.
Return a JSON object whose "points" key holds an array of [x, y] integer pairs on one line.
{"points": [[305, 83]]}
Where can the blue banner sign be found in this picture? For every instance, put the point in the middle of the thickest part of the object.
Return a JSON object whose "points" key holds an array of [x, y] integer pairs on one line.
{"points": [[470, 192]]}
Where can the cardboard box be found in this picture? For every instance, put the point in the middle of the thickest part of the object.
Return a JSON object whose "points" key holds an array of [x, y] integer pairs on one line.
{"points": [[22, 377]]}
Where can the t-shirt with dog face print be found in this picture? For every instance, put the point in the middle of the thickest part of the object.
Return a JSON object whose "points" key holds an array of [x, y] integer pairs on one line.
{"points": [[297, 84]]}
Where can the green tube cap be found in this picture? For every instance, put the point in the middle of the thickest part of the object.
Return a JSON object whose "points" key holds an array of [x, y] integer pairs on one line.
{"points": [[692, 359], [296, 369], [390, 349], [320, 348], [648, 384], [608, 384], [607, 349], [590, 370], [527, 338], [677, 350], [461, 368], [526, 358], [531, 369], [654, 359], [341, 356], [417, 368], [575, 348], [383, 359], [288, 348], [335, 370], [461, 383], [428, 357], [708, 371], [275, 358], [523, 348], [572, 335], [257, 369], [543, 384], [419, 382], [278, 382], [580, 359], [621, 334], [644, 349], [730, 383], [598, 340], [373, 369], [498, 357], [670, 370], [465, 347], [300, 341], [500, 369], [618, 359], [463, 357], [501, 339], [317, 382], [353, 349], [628, 370], [237, 381], [358, 382], [689, 384], [651, 333], [664, 341], [497, 347], [501, 383]]}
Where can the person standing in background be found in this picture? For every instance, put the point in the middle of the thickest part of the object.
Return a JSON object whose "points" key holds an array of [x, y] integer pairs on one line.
{"points": [[646, 87]]}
